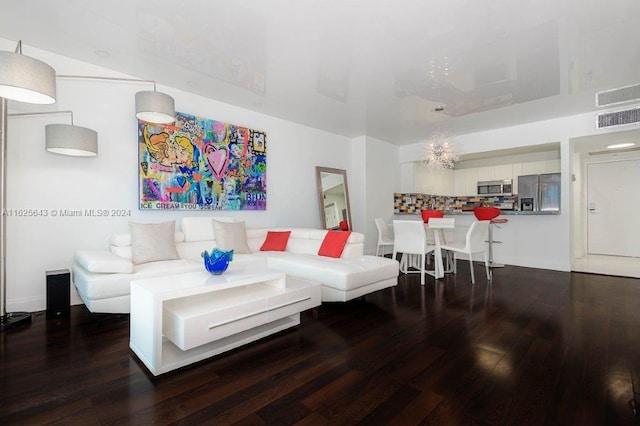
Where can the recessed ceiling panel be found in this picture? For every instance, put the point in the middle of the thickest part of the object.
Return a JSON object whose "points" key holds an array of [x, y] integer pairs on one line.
{"points": [[358, 67]]}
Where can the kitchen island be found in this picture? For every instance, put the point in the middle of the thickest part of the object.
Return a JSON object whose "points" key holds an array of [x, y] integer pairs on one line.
{"points": [[503, 213], [530, 239]]}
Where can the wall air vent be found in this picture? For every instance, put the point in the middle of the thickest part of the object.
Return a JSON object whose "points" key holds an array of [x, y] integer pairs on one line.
{"points": [[618, 96], [606, 120]]}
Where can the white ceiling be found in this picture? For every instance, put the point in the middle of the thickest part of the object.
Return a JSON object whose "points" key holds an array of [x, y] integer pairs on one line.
{"points": [[355, 67]]}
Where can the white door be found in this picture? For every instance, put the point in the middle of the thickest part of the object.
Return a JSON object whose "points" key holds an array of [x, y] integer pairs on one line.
{"points": [[613, 203]]}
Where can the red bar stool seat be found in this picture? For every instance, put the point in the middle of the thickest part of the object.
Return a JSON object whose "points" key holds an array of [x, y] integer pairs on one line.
{"points": [[486, 213], [428, 214], [491, 214]]}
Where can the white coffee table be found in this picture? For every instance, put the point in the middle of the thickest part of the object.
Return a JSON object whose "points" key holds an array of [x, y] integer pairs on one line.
{"points": [[180, 319]]}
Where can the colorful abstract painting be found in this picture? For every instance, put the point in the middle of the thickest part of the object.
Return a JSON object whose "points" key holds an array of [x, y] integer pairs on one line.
{"points": [[201, 164]]}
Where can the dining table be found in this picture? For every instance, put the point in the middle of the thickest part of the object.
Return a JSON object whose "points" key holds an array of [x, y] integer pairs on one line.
{"points": [[438, 226]]}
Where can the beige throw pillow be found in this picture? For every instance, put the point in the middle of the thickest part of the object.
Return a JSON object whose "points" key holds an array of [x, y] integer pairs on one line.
{"points": [[231, 236], [151, 242]]}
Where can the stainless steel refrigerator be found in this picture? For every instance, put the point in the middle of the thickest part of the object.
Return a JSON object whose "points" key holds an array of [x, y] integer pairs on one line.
{"points": [[539, 193]]}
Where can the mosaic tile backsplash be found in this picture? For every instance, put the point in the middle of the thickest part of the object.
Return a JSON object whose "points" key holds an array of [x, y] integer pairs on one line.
{"points": [[405, 203]]}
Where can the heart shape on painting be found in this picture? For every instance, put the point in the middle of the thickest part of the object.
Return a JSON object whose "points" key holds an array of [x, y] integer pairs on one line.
{"points": [[181, 180], [217, 159]]}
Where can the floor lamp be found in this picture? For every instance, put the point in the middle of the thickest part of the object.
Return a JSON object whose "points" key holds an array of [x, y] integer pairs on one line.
{"points": [[29, 80]]}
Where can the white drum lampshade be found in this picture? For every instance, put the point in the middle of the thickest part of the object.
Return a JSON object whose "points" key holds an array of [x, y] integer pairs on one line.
{"points": [[67, 139], [155, 107], [26, 79]]}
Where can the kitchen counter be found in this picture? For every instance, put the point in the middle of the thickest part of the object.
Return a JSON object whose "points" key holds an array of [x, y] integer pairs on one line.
{"points": [[508, 213], [530, 239], [502, 213]]}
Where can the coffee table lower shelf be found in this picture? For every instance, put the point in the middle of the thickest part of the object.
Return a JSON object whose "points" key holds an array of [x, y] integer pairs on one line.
{"points": [[173, 357]]}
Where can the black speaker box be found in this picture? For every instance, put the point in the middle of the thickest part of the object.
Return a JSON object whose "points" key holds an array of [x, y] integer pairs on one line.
{"points": [[58, 294]]}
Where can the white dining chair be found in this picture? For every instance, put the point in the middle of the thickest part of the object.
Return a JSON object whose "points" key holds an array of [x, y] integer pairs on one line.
{"points": [[410, 238], [475, 242], [384, 239]]}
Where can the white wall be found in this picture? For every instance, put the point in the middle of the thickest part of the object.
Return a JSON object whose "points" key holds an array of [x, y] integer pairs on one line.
{"points": [[357, 184], [48, 182], [382, 180], [407, 177], [577, 206]]}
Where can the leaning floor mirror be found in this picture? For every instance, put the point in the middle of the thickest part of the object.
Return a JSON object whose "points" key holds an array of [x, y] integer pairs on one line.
{"points": [[333, 198]]}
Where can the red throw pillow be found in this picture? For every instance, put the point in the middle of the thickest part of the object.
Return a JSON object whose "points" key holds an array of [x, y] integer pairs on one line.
{"points": [[276, 241], [333, 243]]}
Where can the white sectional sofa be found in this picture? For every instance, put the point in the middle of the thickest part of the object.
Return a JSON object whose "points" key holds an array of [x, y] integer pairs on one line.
{"points": [[102, 277]]}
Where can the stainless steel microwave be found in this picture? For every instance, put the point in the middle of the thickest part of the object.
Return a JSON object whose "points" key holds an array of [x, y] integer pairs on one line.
{"points": [[495, 187]]}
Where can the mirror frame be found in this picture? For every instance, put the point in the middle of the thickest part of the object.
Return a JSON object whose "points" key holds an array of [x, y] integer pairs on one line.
{"points": [[343, 173]]}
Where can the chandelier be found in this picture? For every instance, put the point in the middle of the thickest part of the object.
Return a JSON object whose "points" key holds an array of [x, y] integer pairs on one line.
{"points": [[441, 150]]}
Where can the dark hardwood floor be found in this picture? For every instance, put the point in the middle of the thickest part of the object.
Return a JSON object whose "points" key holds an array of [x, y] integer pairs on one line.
{"points": [[535, 347]]}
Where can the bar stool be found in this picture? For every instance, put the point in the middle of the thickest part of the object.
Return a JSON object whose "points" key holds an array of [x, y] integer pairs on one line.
{"points": [[491, 214]]}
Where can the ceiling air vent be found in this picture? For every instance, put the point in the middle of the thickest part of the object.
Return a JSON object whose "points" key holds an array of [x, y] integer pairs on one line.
{"points": [[605, 120], [618, 96]]}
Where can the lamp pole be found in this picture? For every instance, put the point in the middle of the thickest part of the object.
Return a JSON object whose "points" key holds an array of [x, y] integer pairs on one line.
{"points": [[3, 206], [16, 319]]}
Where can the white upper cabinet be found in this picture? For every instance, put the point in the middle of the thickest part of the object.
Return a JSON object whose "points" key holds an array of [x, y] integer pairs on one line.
{"points": [[432, 181], [534, 168], [553, 166], [459, 177], [464, 182], [503, 172], [540, 167], [516, 171], [446, 183], [421, 180], [471, 181], [486, 173]]}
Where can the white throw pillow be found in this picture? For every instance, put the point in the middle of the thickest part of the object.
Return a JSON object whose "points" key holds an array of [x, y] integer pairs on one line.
{"points": [[151, 242], [231, 236]]}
